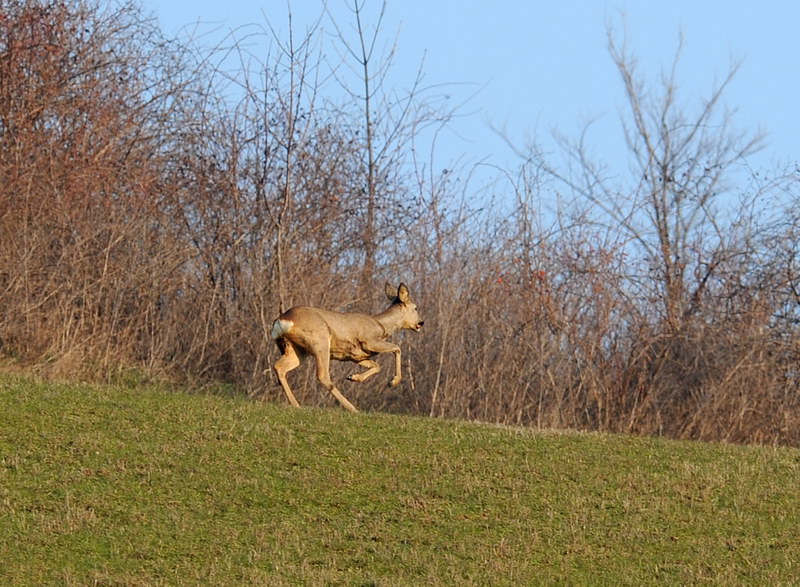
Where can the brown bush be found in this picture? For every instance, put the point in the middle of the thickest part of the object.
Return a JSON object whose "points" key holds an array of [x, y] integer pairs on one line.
{"points": [[157, 213]]}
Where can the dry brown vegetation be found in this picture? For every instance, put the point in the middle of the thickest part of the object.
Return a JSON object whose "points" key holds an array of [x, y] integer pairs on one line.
{"points": [[159, 209]]}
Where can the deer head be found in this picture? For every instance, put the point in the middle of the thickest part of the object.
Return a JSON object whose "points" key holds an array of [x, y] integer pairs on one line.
{"points": [[407, 318]]}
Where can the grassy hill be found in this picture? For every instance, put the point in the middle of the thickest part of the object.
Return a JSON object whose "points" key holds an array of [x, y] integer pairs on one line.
{"points": [[140, 486]]}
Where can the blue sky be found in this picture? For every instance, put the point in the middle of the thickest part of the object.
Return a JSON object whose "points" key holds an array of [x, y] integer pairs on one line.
{"points": [[532, 67]]}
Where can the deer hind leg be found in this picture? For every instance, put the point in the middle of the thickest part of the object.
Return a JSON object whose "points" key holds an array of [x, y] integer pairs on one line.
{"points": [[372, 368], [323, 360], [288, 361]]}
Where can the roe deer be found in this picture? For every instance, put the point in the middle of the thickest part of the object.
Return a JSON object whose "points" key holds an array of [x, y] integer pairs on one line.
{"points": [[327, 335]]}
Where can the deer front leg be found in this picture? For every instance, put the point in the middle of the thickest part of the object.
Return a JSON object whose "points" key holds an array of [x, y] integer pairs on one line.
{"points": [[372, 368], [397, 376], [381, 346]]}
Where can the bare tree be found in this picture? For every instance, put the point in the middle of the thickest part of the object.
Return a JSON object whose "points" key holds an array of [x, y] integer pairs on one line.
{"points": [[390, 120]]}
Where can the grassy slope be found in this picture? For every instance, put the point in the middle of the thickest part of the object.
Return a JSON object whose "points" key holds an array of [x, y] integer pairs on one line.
{"points": [[138, 486]]}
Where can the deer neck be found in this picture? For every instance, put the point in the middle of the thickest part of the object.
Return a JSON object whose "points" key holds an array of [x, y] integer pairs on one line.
{"points": [[389, 319]]}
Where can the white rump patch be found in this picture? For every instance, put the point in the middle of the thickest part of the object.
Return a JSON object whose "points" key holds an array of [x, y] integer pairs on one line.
{"points": [[281, 327]]}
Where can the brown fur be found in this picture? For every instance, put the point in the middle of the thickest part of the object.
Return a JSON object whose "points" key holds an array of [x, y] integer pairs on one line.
{"points": [[327, 335]]}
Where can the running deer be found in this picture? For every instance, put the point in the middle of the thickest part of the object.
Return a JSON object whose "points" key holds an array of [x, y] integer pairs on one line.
{"points": [[327, 335]]}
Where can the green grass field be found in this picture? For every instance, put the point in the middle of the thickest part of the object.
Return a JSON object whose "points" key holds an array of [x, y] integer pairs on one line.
{"points": [[136, 486]]}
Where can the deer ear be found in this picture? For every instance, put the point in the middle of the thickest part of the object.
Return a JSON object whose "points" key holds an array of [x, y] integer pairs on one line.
{"points": [[402, 293], [391, 292]]}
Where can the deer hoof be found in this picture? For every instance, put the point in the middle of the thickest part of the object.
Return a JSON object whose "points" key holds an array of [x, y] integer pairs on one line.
{"points": [[394, 382]]}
